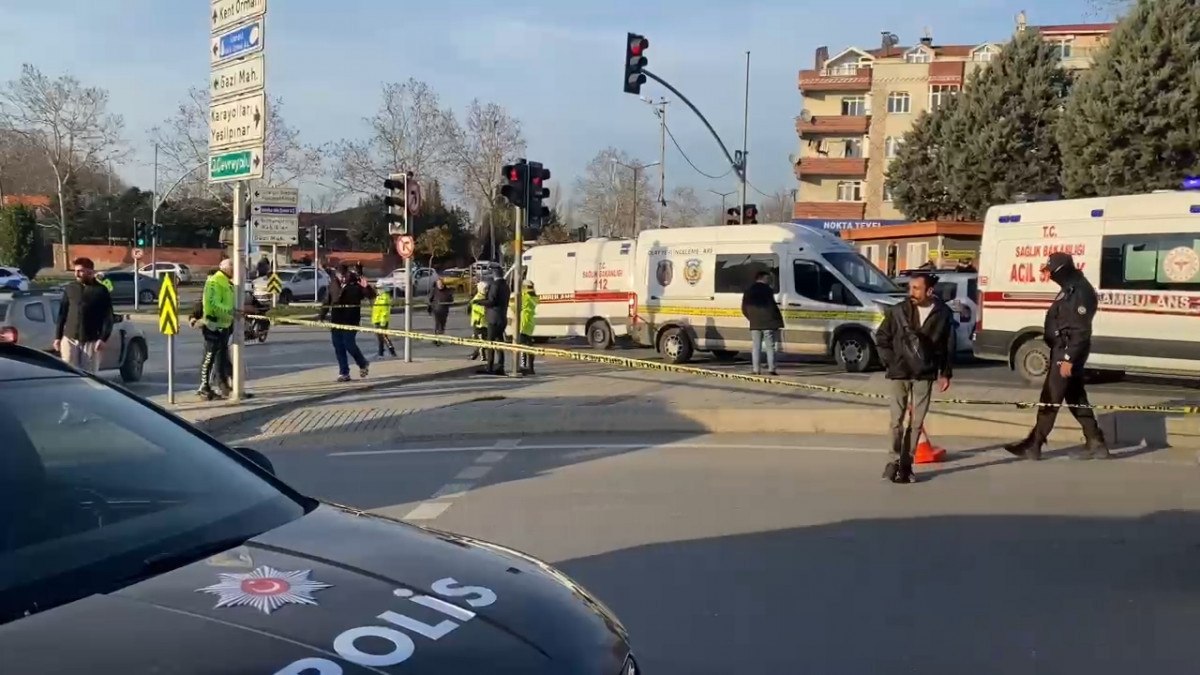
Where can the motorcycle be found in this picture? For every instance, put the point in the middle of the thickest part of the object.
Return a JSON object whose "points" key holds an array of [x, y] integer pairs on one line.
{"points": [[256, 329]]}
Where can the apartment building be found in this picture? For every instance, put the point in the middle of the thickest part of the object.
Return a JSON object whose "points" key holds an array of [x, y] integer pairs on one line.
{"points": [[859, 103]]}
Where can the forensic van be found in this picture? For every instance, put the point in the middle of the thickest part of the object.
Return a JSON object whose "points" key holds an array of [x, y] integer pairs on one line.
{"points": [[680, 291], [1142, 254]]}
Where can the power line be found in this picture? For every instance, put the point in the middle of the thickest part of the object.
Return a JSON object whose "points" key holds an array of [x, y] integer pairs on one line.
{"points": [[689, 161]]}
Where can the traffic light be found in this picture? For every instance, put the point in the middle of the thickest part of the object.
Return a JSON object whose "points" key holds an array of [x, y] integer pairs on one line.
{"points": [[751, 214], [515, 182], [157, 234], [733, 216], [635, 60], [537, 191], [139, 234], [397, 186], [319, 236]]}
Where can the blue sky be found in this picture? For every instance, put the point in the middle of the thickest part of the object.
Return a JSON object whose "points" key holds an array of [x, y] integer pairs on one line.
{"points": [[556, 66]]}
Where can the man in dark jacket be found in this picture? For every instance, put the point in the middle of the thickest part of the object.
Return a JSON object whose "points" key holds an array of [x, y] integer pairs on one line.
{"points": [[495, 314], [916, 345], [85, 319], [761, 310], [441, 299], [343, 306]]}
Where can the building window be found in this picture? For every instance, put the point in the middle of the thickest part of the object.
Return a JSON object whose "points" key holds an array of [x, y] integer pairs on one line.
{"points": [[870, 252], [843, 69], [854, 106], [891, 146], [917, 254], [940, 93], [918, 56], [899, 102], [735, 273], [1151, 262], [850, 191], [887, 193], [854, 148], [1061, 48], [983, 55]]}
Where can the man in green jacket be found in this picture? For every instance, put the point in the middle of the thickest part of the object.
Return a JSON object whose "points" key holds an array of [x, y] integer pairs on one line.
{"points": [[381, 316], [217, 317]]}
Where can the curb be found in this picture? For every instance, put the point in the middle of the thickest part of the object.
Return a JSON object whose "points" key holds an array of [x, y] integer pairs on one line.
{"points": [[224, 422]]}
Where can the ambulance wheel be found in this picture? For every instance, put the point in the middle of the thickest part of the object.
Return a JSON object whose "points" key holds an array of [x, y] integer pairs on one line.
{"points": [[854, 351], [1032, 361], [599, 334], [675, 346]]}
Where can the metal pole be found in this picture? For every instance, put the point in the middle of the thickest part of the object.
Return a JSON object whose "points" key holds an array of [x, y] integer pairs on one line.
{"points": [[518, 246], [239, 273], [274, 257], [171, 366], [745, 137], [662, 162], [136, 274], [154, 218], [316, 266], [408, 287], [635, 204]]}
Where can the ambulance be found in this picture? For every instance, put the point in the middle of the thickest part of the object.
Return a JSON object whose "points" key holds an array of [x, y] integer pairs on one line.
{"points": [[680, 291], [1141, 253]]}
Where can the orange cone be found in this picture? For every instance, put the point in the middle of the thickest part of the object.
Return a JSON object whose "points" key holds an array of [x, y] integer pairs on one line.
{"points": [[926, 452]]}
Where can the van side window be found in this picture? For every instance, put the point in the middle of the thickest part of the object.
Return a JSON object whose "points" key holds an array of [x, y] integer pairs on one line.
{"points": [[1151, 262], [813, 281], [736, 272]]}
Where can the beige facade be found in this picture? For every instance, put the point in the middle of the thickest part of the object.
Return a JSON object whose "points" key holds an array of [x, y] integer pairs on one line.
{"points": [[859, 104]]}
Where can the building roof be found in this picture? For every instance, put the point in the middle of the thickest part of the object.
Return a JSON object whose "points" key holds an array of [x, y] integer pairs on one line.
{"points": [[1075, 28]]}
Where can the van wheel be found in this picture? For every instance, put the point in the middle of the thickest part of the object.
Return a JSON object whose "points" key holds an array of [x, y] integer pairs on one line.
{"points": [[724, 355], [599, 334], [1033, 360], [675, 346], [135, 362], [854, 351]]}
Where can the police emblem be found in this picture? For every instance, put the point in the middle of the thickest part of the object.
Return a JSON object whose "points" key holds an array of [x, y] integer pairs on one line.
{"points": [[1081, 309], [265, 589], [692, 271]]}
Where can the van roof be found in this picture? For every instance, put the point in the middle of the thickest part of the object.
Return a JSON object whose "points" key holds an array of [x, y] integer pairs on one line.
{"points": [[772, 232], [1169, 204]]}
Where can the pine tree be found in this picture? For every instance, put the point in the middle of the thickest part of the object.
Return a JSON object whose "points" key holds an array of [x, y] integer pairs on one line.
{"points": [[917, 177], [1008, 115], [1132, 124], [20, 240]]}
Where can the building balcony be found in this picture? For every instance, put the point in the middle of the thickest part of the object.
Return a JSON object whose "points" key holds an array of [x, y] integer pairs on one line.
{"points": [[831, 210], [831, 166], [833, 124], [819, 80]]}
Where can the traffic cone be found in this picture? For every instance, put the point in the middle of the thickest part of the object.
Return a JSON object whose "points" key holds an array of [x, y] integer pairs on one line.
{"points": [[926, 452]]}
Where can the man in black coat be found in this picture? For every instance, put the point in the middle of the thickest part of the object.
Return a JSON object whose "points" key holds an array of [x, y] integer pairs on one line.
{"points": [[916, 345], [495, 314], [761, 310], [85, 319], [343, 306]]}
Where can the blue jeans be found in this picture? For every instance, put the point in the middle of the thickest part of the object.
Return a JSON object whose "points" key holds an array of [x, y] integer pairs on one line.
{"points": [[760, 339], [344, 346]]}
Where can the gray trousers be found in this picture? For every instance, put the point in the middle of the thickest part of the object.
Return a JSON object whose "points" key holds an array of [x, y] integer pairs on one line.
{"points": [[906, 394]]}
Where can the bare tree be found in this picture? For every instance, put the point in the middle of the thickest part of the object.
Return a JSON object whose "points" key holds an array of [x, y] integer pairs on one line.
{"points": [[607, 194], [67, 124], [182, 142], [1109, 9], [486, 140], [409, 132], [685, 209], [778, 208]]}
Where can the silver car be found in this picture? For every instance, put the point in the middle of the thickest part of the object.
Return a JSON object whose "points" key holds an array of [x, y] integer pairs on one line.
{"points": [[297, 285], [29, 318]]}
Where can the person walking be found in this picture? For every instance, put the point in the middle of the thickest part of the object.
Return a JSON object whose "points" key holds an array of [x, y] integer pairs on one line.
{"points": [[263, 268], [85, 319], [916, 346], [1068, 333], [525, 325], [343, 307], [478, 320], [495, 305], [761, 310], [381, 317], [217, 308], [441, 299]]}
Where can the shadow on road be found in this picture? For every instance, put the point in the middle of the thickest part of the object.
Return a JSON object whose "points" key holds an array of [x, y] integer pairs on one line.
{"points": [[953, 595]]}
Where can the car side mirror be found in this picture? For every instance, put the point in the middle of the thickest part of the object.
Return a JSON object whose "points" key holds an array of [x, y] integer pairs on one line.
{"points": [[258, 458]]}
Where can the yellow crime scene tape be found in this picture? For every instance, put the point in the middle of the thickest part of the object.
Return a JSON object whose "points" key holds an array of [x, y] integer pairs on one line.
{"points": [[661, 366]]}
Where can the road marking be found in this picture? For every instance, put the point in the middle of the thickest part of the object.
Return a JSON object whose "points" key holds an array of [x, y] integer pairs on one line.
{"points": [[427, 511], [430, 510], [452, 490], [490, 457], [474, 472], [507, 443]]}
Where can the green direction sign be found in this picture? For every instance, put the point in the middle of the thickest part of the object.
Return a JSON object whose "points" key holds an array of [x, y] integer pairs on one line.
{"points": [[230, 165]]}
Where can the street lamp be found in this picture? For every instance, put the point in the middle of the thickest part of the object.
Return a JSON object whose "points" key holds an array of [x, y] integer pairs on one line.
{"points": [[722, 195], [635, 169]]}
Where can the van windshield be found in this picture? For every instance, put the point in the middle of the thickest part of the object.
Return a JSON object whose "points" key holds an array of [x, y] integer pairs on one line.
{"points": [[859, 271]]}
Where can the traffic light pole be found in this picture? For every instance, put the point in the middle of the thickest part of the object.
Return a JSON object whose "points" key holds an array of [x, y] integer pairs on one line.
{"points": [[239, 273], [745, 137], [518, 252], [408, 286], [738, 167]]}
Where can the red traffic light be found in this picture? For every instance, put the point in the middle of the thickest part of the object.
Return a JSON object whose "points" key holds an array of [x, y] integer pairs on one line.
{"points": [[514, 175], [638, 44]]}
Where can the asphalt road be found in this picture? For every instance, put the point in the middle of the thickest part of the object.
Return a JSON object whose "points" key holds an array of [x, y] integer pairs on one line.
{"points": [[782, 555]]}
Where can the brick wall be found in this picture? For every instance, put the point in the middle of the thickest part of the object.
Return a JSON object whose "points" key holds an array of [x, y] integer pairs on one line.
{"points": [[109, 257]]}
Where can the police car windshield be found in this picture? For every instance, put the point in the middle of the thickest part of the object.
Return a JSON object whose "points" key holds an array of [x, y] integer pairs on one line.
{"points": [[94, 484], [859, 271]]}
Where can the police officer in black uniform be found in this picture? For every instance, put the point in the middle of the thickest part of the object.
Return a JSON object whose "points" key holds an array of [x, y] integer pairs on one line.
{"points": [[1068, 333]]}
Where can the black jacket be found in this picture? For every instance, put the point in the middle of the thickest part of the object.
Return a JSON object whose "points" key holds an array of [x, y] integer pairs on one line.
{"points": [[440, 300], [1068, 323], [760, 309], [910, 352], [86, 314], [496, 302], [343, 303]]}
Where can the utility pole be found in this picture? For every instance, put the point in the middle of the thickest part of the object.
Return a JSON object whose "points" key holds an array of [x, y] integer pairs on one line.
{"points": [[636, 170], [239, 274], [154, 218], [745, 140], [660, 110]]}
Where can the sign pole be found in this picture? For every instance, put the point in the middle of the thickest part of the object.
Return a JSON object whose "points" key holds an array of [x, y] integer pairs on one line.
{"points": [[171, 369], [239, 233], [408, 287], [518, 244], [274, 257], [168, 325], [316, 266], [136, 274]]}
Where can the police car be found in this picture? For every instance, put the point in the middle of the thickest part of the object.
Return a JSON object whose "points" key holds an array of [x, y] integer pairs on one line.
{"points": [[132, 543]]}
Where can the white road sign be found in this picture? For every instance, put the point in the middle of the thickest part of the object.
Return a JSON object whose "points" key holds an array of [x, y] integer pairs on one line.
{"points": [[227, 13], [237, 122], [238, 77], [275, 229], [283, 196]]}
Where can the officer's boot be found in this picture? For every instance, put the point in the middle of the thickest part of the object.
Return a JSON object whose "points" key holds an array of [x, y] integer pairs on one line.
{"points": [[1030, 448], [1094, 445]]}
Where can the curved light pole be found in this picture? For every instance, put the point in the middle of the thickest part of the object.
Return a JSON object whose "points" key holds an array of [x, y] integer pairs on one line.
{"points": [[635, 169]]}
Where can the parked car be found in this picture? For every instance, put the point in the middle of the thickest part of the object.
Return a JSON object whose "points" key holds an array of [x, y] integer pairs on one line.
{"points": [[181, 273], [422, 281], [29, 318], [153, 548], [123, 291], [13, 279]]}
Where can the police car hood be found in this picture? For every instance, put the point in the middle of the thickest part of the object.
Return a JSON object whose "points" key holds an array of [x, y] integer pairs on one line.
{"points": [[366, 593]]}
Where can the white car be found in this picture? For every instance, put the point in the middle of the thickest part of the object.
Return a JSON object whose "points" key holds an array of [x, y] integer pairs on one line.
{"points": [[422, 281], [12, 279], [179, 271]]}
